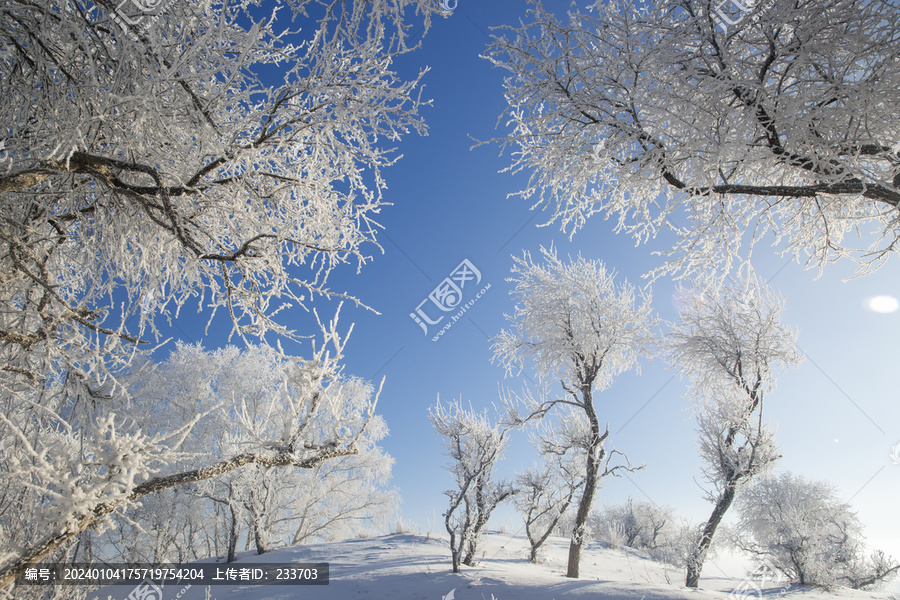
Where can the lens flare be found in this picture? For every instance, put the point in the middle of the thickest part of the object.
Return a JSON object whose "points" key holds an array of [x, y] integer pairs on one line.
{"points": [[883, 304]]}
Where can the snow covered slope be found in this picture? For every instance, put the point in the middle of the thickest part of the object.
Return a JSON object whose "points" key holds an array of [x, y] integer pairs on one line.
{"points": [[417, 567]]}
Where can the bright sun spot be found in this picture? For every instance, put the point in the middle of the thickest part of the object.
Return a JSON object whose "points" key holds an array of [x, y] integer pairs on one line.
{"points": [[883, 304]]}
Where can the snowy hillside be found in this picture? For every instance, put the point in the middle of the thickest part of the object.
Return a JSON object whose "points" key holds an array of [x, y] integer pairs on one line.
{"points": [[418, 567]]}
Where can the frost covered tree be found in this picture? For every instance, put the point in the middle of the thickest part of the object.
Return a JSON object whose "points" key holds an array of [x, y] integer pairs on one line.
{"points": [[693, 117], [340, 498], [169, 526], [267, 508], [544, 494], [74, 465], [208, 156], [573, 322], [638, 525], [805, 531], [474, 446], [153, 160], [283, 504], [648, 527], [731, 344]]}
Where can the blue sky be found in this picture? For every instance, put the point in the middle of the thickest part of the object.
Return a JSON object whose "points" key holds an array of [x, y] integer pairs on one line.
{"points": [[837, 415]]}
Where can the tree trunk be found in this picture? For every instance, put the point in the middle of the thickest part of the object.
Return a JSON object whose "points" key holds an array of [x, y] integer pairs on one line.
{"points": [[455, 552], [232, 535], [471, 549], [698, 556], [456, 546], [482, 513], [260, 537], [592, 466], [484, 507], [581, 517]]}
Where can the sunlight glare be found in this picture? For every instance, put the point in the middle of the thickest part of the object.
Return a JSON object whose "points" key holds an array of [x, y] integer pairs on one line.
{"points": [[883, 304]]}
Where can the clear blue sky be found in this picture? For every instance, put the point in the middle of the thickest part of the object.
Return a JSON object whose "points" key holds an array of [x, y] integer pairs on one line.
{"points": [[838, 414]]}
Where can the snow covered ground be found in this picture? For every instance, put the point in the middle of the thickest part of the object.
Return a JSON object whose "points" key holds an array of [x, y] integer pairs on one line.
{"points": [[406, 566]]}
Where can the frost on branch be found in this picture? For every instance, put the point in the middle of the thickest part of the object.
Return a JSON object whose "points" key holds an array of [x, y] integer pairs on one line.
{"points": [[209, 160], [214, 160], [660, 116], [573, 321], [732, 346], [198, 416]]}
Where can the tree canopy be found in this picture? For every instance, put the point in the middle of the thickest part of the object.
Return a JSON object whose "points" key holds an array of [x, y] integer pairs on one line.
{"points": [[660, 116]]}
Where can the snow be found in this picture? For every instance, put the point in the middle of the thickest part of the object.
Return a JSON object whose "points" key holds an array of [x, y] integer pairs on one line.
{"points": [[411, 567]]}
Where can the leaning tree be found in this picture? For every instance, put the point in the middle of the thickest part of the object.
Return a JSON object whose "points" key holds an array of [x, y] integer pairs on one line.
{"points": [[732, 345], [573, 322], [691, 117]]}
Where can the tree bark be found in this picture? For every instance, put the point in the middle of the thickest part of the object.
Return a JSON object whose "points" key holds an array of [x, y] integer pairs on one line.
{"points": [[482, 513], [232, 535], [592, 466], [484, 507], [698, 556], [581, 517], [260, 537]]}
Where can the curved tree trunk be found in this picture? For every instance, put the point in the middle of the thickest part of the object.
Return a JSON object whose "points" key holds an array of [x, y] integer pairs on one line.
{"points": [[581, 517], [698, 556]]}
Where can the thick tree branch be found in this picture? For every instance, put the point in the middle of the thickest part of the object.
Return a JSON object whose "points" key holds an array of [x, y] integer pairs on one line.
{"points": [[16, 567]]}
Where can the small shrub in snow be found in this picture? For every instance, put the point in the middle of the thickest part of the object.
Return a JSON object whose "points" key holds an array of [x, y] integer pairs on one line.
{"points": [[640, 525], [645, 526], [613, 534], [808, 534]]}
